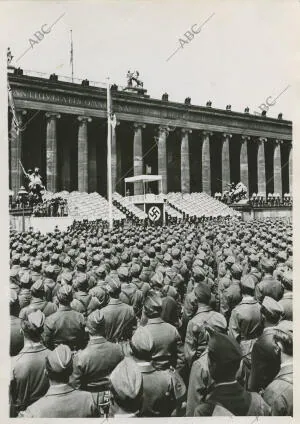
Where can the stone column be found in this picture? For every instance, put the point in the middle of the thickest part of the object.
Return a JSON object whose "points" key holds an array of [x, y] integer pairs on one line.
{"points": [[114, 160], [120, 182], [244, 172], [15, 143], [261, 167], [291, 169], [225, 162], [162, 157], [206, 169], [66, 165], [185, 161], [277, 167], [138, 165], [83, 153], [51, 151]]}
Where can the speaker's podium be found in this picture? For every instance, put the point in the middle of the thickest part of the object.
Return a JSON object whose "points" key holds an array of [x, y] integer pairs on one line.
{"points": [[153, 205]]}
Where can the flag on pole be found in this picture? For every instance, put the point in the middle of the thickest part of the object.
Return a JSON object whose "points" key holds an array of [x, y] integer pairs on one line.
{"points": [[72, 56], [12, 106]]}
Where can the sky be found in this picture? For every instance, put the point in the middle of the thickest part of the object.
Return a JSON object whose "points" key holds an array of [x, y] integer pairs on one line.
{"points": [[244, 52]]}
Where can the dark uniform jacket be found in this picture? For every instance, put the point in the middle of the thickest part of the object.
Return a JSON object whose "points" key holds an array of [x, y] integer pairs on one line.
{"points": [[204, 314], [279, 394], [65, 326], [28, 379], [119, 320], [168, 348], [235, 399], [287, 304], [95, 363], [265, 361], [245, 320], [199, 382], [80, 302], [36, 304], [16, 338], [63, 401], [159, 397], [268, 287]]}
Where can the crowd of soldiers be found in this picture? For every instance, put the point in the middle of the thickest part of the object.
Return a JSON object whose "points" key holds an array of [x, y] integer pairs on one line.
{"points": [[186, 319]]}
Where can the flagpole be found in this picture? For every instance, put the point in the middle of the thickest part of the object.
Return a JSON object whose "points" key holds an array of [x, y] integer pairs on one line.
{"points": [[71, 58], [109, 177]]}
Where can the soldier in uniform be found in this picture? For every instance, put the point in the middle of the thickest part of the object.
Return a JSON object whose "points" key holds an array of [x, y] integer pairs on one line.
{"points": [[61, 400], [279, 393], [268, 285], [120, 319], [16, 338], [227, 396], [287, 299], [265, 357], [245, 320], [38, 301], [65, 325], [28, 379]]}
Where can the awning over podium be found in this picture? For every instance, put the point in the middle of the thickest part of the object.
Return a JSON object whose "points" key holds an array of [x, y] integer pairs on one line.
{"points": [[144, 179]]}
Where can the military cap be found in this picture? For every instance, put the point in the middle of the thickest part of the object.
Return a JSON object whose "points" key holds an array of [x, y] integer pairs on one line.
{"points": [[66, 278], [71, 253], [37, 288], [248, 282], [223, 349], [96, 259], [67, 261], [267, 265], [113, 285], [167, 259], [46, 255], [157, 280], [146, 260], [287, 280], [123, 272], [253, 259], [37, 265], [59, 359], [229, 260], [65, 294], [14, 276], [36, 319], [271, 309], [236, 271], [13, 300], [95, 322], [81, 265], [285, 326], [50, 271], [135, 270], [152, 305], [142, 343], [202, 292], [198, 273], [24, 260], [175, 253], [126, 380], [81, 282], [282, 256], [25, 279]]}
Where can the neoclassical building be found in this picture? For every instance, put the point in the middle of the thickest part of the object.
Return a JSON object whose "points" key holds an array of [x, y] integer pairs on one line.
{"points": [[194, 148]]}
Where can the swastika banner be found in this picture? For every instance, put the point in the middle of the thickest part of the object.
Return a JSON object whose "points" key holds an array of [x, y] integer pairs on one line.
{"points": [[155, 212]]}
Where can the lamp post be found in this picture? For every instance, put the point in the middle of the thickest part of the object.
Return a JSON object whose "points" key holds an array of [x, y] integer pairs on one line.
{"points": [[22, 193]]}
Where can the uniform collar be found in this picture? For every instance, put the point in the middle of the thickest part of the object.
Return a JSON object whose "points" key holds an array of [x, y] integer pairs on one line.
{"points": [[156, 320], [145, 367], [113, 301], [64, 308], [36, 347], [97, 340], [288, 295], [59, 389]]}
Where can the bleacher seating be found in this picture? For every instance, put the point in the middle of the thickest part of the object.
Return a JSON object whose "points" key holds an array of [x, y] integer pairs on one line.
{"points": [[199, 205]]}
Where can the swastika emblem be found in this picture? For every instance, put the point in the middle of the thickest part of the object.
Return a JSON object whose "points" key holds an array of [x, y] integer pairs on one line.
{"points": [[154, 213]]}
